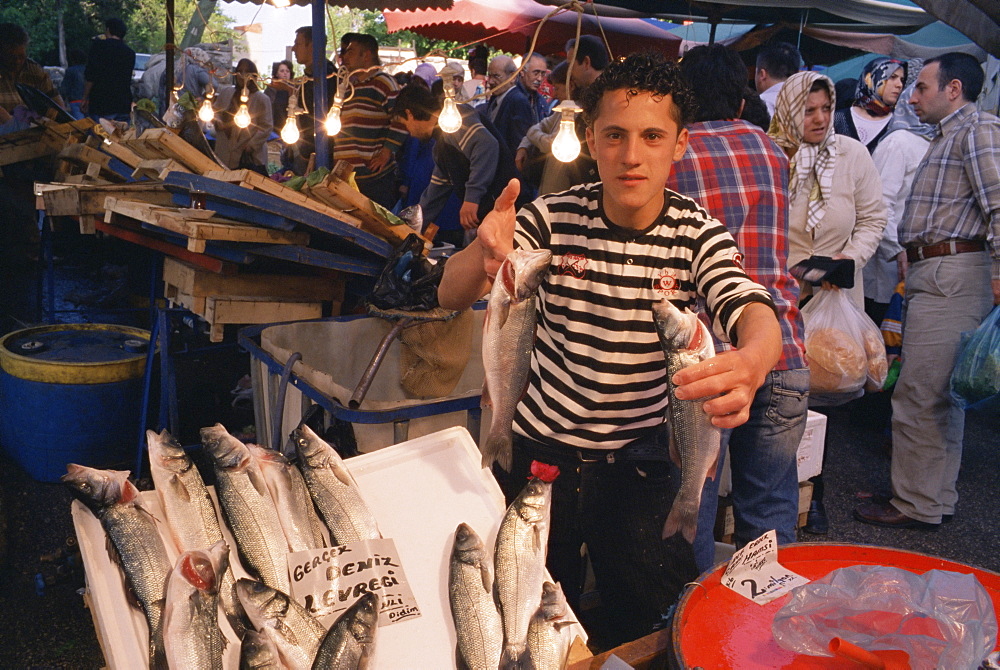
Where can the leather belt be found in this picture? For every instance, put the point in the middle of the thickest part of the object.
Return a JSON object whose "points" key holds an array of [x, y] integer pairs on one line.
{"points": [[946, 248]]}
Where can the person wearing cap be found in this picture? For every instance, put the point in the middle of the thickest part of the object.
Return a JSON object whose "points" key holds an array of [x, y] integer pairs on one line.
{"points": [[453, 74]]}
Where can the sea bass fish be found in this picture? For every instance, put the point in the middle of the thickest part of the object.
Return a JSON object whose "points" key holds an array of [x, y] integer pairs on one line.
{"points": [[136, 541], [189, 510], [295, 633], [508, 339], [191, 634], [248, 508], [547, 646], [302, 527], [333, 489], [473, 609], [519, 561], [694, 440], [350, 643], [257, 652]]}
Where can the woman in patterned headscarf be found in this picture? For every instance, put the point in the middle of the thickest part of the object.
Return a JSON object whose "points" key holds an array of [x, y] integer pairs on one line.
{"points": [[879, 87], [899, 152], [835, 197], [835, 202]]}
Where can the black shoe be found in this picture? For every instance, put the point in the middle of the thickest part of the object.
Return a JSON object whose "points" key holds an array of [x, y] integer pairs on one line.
{"points": [[816, 520]]}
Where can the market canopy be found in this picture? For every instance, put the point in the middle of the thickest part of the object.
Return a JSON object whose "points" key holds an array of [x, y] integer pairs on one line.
{"points": [[874, 15], [979, 19], [371, 5], [510, 25]]}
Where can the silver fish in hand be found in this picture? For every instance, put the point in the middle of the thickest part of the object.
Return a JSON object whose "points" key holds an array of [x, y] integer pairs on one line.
{"points": [[694, 441], [508, 339]]}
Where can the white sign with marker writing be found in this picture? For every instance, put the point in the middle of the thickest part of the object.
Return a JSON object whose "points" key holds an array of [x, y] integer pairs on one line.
{"points": [[327, 581], [754, 571]]}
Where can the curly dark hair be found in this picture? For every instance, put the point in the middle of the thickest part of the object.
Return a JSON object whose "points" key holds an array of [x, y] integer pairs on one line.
{"points": [[642, 72]]}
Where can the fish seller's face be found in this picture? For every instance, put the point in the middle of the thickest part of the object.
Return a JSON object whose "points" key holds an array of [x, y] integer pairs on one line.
{"points": [[819, 110], [635, 138]]}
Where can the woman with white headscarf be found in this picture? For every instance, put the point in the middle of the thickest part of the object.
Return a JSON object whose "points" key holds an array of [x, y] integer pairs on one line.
{"points": [[897, 156], [835, 195], [835, 201]]}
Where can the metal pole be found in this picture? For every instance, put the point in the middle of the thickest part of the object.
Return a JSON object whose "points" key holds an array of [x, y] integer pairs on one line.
{"points": [[320, 83], [169, 74]]}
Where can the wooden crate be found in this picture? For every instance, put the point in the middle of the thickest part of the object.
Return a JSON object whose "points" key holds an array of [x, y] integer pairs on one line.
{"points": [[78, 158], [219, 311], [201, 226], [160, 143], [45, 140], [258, 182], [199, 283]]}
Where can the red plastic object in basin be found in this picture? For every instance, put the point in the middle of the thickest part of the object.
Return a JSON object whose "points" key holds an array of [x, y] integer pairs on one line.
{"points": [[717, 628]]}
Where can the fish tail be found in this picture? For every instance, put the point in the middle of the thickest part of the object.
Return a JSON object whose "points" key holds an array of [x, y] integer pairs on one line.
{"points": [[512, 657], [683, 518], [498, 448]]}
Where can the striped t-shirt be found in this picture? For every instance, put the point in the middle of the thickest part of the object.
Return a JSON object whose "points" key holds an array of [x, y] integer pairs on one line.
{"points": [[598, 376]]}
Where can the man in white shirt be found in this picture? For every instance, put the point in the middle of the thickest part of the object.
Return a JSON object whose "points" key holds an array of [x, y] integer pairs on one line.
{"points": [[775, 63]]}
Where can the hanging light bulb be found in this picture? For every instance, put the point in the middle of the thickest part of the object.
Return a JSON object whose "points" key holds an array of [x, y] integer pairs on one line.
{"points": [[242, 116], [290, 131], [205, 112], [332, 123], [566, 145], [450, 119]]}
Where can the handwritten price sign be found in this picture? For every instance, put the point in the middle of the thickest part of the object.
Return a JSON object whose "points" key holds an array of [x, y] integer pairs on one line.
{"points": [[754, 571]]}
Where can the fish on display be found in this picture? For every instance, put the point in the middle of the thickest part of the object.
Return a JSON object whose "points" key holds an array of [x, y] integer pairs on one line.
{"points": [[508, 339], [257, 652], [188, 509], [333, 489], [350, 643], [295, 633], [301, 526], [694, 441], [136, 542], [548, 647], [473, 609], [191, 635], [519, 562], [248, 508]]}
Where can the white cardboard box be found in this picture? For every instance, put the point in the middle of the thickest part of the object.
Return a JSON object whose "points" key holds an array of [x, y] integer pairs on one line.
{"points": [[809, 455], [419, 491]]}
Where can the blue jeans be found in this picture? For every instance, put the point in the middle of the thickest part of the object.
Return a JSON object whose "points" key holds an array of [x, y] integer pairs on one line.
{"points": [[764, 467]]}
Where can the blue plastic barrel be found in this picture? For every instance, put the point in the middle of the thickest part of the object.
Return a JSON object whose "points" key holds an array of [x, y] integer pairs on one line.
{"points": [[71, 393]]}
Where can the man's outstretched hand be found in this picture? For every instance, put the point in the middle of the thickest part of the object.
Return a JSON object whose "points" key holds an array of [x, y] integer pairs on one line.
{"points": [[496, 233]]}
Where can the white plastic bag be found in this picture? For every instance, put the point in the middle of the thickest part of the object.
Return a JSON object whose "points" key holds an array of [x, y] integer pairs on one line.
{"points": [[844, 347], [942, 619]]}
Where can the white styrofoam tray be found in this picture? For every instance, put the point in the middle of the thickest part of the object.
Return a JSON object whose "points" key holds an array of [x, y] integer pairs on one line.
{"points": [[419, 491]]}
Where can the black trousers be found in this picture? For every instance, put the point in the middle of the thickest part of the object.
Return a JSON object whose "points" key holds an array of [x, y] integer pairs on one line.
{"points": [[617, 508]]}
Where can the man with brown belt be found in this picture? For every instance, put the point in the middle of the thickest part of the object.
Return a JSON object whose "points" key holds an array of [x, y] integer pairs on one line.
{"points": [[951, 220]]}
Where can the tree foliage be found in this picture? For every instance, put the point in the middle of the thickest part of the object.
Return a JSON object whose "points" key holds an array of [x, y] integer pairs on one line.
{"points": [[146, 22]]}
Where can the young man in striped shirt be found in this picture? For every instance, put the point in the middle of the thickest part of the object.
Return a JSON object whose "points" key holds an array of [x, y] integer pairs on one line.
{"points": [[596, 394]]}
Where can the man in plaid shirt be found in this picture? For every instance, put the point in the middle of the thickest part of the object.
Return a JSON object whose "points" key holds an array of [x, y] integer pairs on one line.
{"points": [[950, 233], [740, 176]]}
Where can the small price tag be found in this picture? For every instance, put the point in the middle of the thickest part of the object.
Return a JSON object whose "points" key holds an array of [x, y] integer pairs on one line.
{"points": [[328, 581], [754, 571]]}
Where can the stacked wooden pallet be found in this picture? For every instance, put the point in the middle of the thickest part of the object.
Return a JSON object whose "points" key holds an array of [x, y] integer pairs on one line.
{"points": [[46, 139]]}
